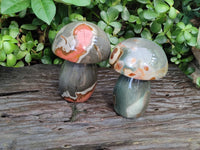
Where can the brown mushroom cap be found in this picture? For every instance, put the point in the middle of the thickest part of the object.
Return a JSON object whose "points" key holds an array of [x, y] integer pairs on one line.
{"points": [[82, 42]]}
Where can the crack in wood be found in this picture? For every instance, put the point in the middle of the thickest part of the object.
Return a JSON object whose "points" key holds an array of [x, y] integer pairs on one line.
{"points": [[4, 115], [18, 92], [75, 112]]}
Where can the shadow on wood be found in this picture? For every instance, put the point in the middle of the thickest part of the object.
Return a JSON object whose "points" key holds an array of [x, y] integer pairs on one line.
{"points": [[34, 116]]}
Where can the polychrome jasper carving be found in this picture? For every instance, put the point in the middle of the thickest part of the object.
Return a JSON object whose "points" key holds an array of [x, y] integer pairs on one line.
{"points": [[138, 60], [131, 96], [77, 81], [81, 44]]}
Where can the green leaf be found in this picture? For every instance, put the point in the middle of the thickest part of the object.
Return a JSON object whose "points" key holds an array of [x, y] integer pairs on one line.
{"points": [[28, 37], [125, 14], [46, 60], [143, 1], [13, 6], [112, 14], [22, 13], [172, 13], [75, 17], [193, 30], [160, 6], [188, 59], [132, 18], [102, 24], [155, 27], [181, 25], [160, 39], [129, 34], [113, 40], [118, 7], [29, 27], [40, 47], [19, 64], [117, 27], [23, 46], [173, 59], [138, 28], [184, 49], [188, 26], [198, 81], [44, 9], [180, 38], [11, 60], [36, 55], [48, 52], [9, 38], [3, 64], [109, 29], [37, 22], [58, 61], [104, 64], [146, 34], [104, 16], [187, 35], [9, 47], [28, 58], [13, 24], [175, 32], [13, 32], [75, 2], [4, 31], [52, 35], [21, 55], [192, 41], [2, 55], [1, 44], [30, 45], [149, 14], [170, 2]]}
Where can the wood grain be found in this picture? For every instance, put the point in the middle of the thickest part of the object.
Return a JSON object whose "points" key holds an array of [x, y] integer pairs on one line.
{"points": [[34, 116]]}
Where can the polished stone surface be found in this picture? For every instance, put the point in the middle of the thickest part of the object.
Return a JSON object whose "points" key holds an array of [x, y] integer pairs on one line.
{"points": [[77, 81], [82, 42], [131, 96], [139, 58]]}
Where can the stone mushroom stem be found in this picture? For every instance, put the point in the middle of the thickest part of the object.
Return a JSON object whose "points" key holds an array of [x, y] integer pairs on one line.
{"points": [[131, 96], [77, 81]]}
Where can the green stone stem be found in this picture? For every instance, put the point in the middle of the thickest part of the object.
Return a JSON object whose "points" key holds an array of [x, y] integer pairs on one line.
{"points": [[131, 96]]}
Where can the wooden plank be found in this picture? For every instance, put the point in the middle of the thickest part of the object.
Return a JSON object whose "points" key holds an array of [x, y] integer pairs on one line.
{"points": [[34, 116]]}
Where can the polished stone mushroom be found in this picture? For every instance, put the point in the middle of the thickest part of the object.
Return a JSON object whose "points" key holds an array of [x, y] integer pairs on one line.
{"points": [[138, 60], [82, 44]]}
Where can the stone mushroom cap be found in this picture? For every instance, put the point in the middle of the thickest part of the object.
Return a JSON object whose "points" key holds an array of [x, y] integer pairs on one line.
{"points": [[140, 59], [82, 42]]}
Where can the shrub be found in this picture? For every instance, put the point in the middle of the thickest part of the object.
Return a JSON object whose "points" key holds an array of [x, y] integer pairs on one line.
{"points": [[162, 21]]}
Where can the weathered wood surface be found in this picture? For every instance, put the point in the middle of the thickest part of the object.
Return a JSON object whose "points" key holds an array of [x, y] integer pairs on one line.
{"points": [[34, 116]]}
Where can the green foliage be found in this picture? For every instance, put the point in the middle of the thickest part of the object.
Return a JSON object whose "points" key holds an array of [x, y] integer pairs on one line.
{"points": [[162, 21], [190, 8], [12, 6], [75, 2], [18, 48], [43, 9]]}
